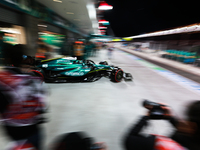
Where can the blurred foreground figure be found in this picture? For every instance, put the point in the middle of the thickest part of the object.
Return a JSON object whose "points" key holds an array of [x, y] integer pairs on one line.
{"points": [[4, 48], [186, 136], [41, 52], [76, 141], [22, 102], [78, 50]]}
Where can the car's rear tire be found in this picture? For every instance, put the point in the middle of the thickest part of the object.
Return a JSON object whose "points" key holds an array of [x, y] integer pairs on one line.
{"points": [[117, 75]]}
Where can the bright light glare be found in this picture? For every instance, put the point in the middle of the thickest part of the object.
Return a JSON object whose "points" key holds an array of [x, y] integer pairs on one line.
{"points": [[91, 11], [70, 58], [103, 21], [41, 25], [92, 14], [41, 33], [172, 31], [102, 27], [105, 7], [57, 1], [70, 13], [10, 31]]}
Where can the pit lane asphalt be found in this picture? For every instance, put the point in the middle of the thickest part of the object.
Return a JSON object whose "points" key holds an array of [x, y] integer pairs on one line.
{"points": [[105, 110]]}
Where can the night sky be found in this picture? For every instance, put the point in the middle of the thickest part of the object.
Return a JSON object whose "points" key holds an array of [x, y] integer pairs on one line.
{"points": [[134, 17]]}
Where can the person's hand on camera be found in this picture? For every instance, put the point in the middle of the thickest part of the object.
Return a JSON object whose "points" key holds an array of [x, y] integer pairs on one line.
{"points": [[101, 146], [148, 114], [167, 111]]}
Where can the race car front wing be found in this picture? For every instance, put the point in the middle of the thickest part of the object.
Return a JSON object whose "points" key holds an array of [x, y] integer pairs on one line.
{"points": [[128, 77]]}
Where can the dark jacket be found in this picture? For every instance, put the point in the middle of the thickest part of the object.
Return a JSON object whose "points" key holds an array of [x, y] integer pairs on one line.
{"points": [[20, 104], [135, 141]]}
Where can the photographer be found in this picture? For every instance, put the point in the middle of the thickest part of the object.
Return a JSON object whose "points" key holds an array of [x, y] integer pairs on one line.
{"points": [[76, 141], [186, 136], [22, 102]]}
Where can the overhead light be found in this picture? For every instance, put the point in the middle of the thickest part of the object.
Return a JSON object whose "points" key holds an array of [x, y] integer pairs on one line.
{"points": [[41, 33], [42, 25], [191, 28], [104, 6], [93, 16], [103, 21], [91, 11], [57, 1], [102, 27], [10, 31], [70, 13]]}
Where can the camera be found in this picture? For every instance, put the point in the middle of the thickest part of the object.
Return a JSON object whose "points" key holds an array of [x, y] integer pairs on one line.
{"points": [[156, 110], [97, 146]]}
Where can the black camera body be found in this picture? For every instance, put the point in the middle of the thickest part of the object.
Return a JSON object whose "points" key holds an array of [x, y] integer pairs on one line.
{"points": [[156, 110], [97, 146]]}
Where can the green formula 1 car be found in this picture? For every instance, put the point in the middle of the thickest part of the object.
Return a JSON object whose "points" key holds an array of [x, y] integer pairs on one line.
{"points": [[69, 69]]}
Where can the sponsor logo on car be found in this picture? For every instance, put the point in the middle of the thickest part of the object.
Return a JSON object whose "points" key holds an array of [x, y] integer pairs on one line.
{"points": [[70, 58], [63, 60], [74, 73], [45, 65]]}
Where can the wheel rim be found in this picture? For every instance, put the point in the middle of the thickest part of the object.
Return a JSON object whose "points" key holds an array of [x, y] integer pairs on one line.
{"points": [[119, 75]]}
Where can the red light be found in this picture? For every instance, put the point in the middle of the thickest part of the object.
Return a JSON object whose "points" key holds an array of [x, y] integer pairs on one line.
{"points": [[102, 27], [79, 42], [104, 6], [103, 21]]}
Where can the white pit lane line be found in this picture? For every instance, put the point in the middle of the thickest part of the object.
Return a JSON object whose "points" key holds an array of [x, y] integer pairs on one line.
{"points": [[178, 79]]}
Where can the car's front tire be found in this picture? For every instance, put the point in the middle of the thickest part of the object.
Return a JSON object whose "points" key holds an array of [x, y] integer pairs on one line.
{"points": [[117, 75]]}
